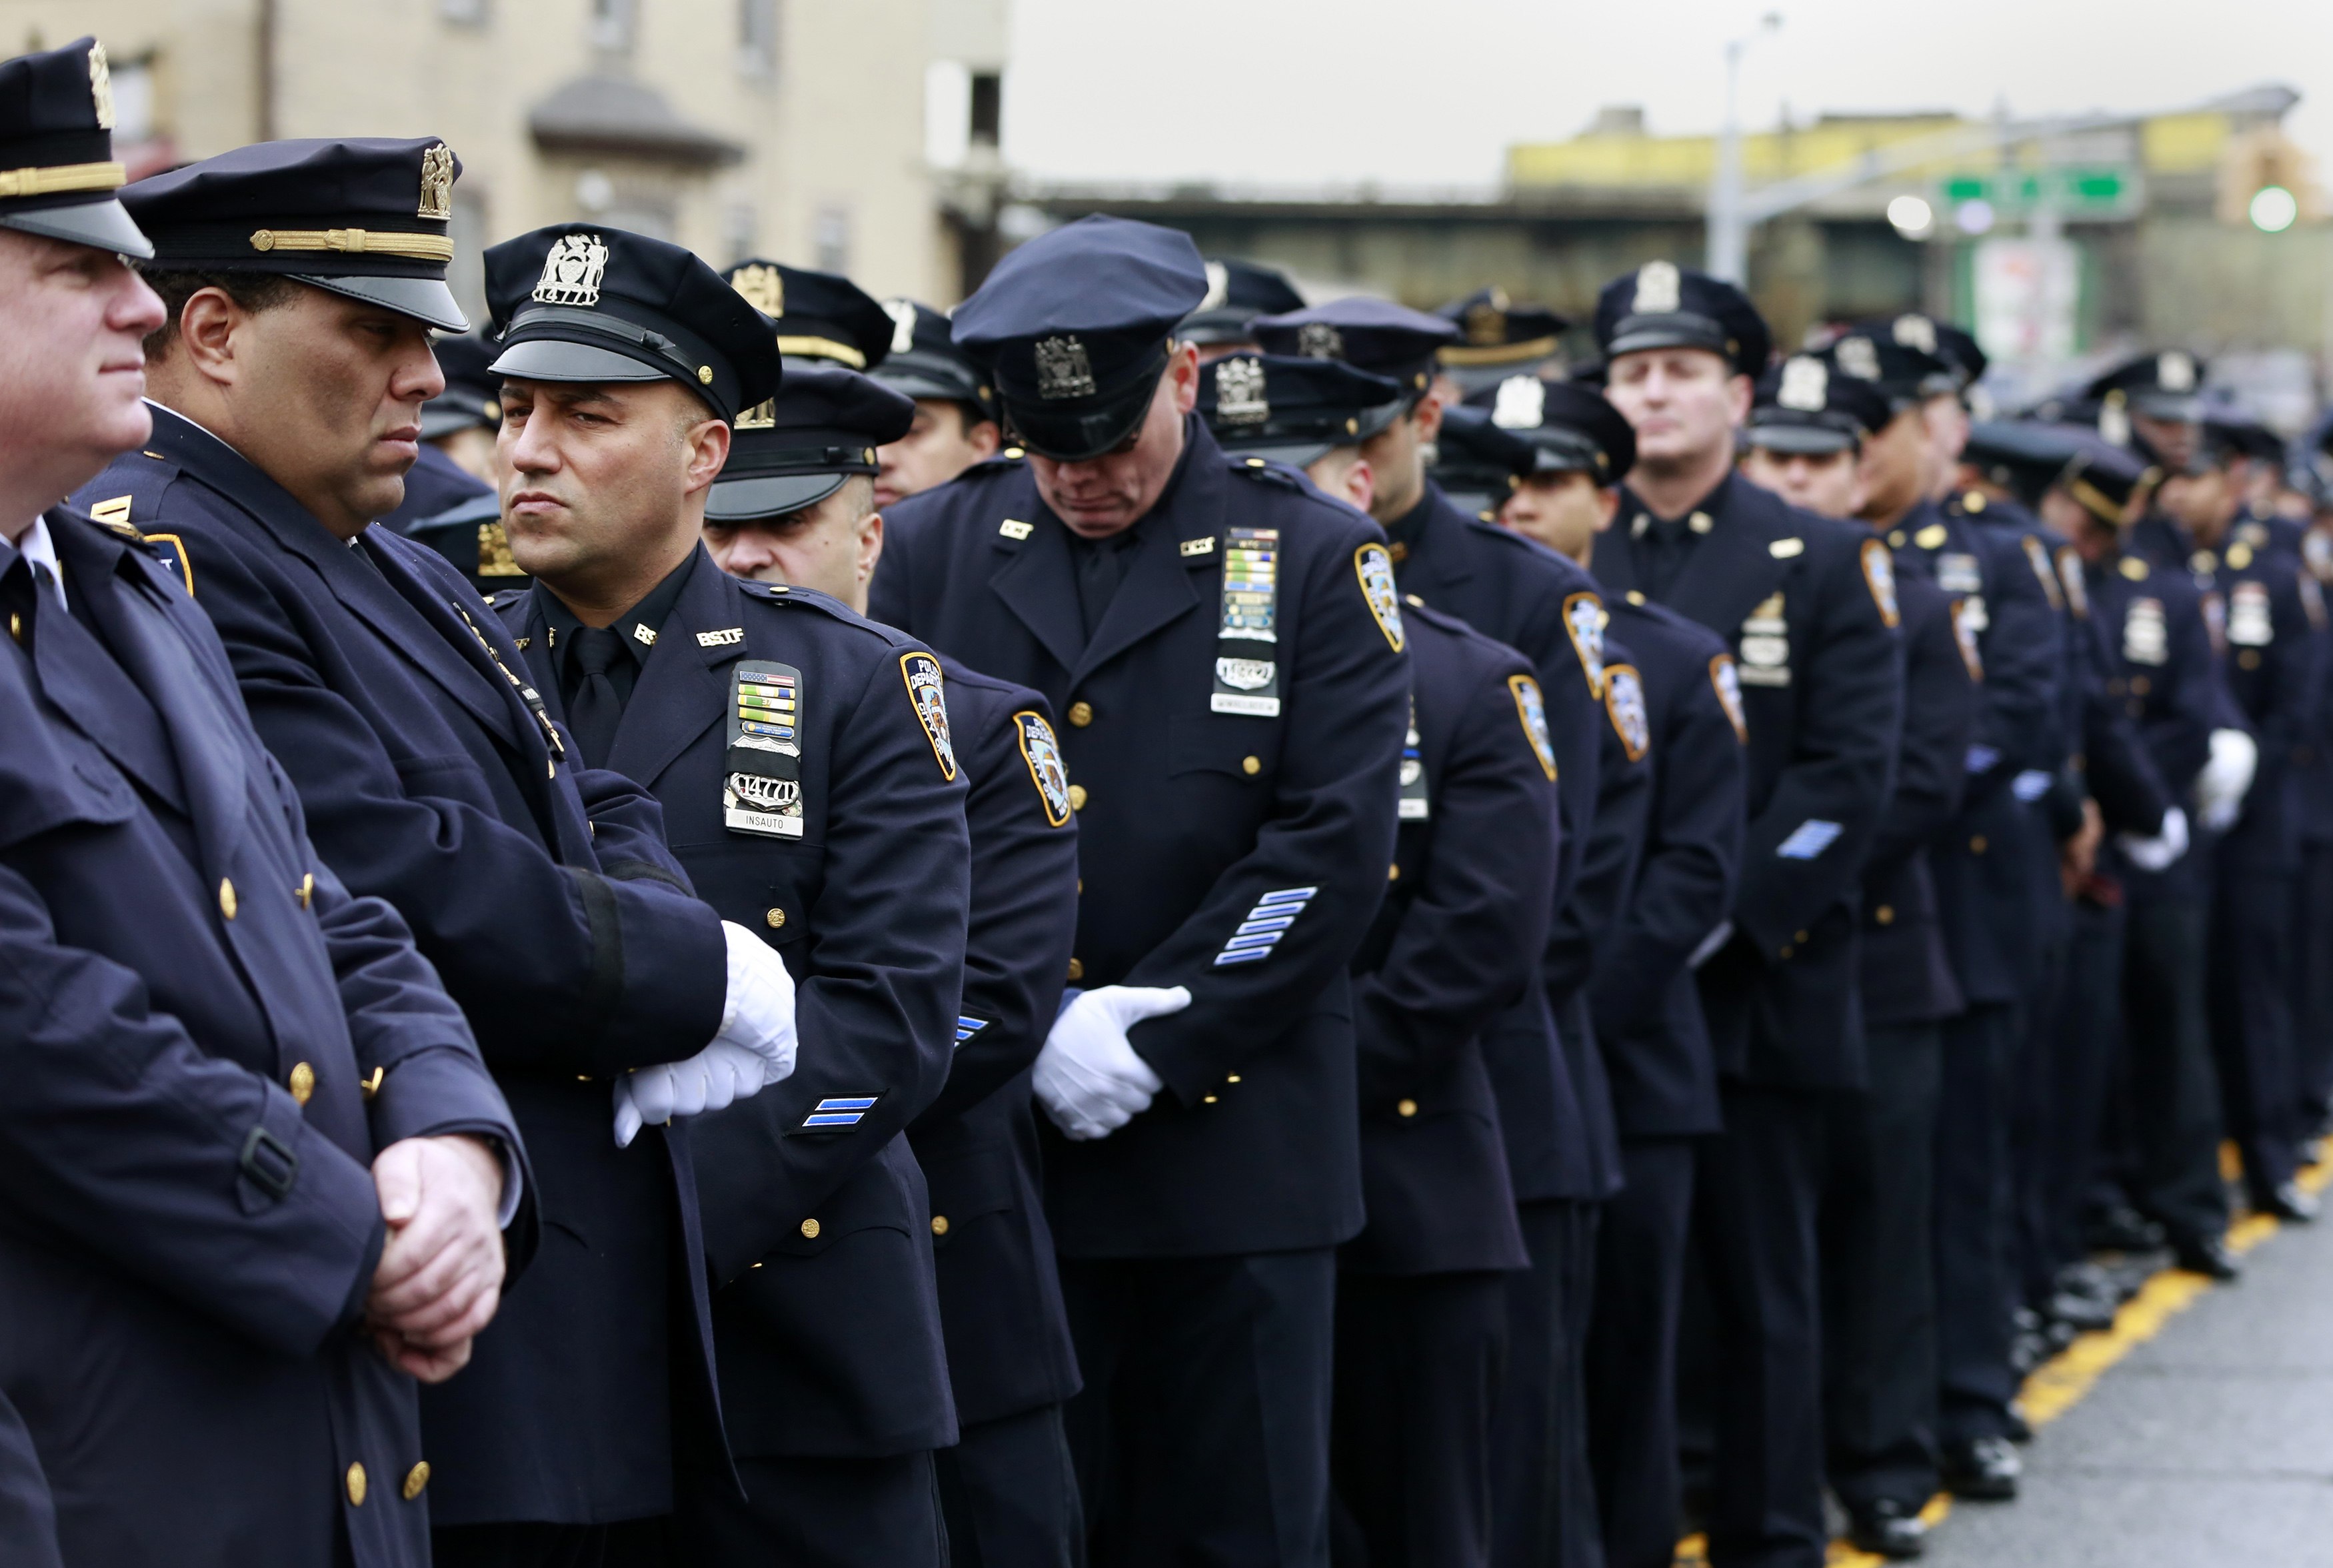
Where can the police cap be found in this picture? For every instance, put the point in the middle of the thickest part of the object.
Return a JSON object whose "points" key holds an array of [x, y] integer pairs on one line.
{"points": [[1902, 373], [1493, 332], [801, 446], [581, 301], [361, 217], [2023, 457], [1662, 305], [1807, 405], [1290, 410], [474, 393], [1571, 427], [1377, 335], [924, 362], [1073, 326], [2167, 385], [56, 149], [1958, 350], [821, 316], [2231, 433], [1475, 462], [1237, 293]]}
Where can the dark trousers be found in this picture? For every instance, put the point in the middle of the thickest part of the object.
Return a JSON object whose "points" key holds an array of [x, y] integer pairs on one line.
{"points": [[2174, 1096], [811, 1513], [2085, 1026], [2312, 984], [1878, 1300], [1756, 1189], [1009, 1494], [1632, 1352], [1419, 1360], [1971, 1226], [1202, 1434], [2037, 1077], [1542, 1492], [2249, 996]]}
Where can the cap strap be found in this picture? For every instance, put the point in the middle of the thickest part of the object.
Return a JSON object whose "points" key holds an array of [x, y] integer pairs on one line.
{"points": [[366, 242], [64, 176], [821, 349]]}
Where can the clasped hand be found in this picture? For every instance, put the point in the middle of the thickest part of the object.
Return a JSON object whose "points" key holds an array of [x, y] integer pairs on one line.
{"points": [[440, 1275], [1089, 1080], [754, 1048]]}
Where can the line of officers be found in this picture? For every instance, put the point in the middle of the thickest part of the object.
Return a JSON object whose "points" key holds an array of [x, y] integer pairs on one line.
{"points": [[729, 923]]}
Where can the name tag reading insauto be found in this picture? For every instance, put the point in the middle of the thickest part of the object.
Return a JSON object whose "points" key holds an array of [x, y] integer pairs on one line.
{"points": [[761, 791], [1247, 668]]}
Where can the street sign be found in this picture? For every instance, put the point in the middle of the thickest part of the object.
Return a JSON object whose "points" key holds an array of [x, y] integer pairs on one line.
{"points": [[2095, 192]]}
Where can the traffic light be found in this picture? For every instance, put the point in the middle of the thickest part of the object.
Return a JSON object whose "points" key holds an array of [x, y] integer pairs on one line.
{"points": [[2266, 182]]}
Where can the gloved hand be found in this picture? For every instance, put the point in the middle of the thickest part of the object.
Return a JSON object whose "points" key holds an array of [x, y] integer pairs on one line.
{"points": [[754, 1048], [2156, 854], [1092, 1082], [2220, 787]]}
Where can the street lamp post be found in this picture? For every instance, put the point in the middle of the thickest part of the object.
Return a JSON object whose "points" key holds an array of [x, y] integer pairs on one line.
{"points": [[1729, 230]]}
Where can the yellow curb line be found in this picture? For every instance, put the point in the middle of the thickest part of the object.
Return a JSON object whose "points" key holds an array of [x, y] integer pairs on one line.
{"points": [[2057, 1385]]}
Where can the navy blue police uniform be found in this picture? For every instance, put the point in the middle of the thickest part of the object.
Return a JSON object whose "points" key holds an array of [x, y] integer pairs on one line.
{"points": [[1805, 605], [1654, 1044], [795, 749], [187, 1241], [1237, 796], [1527, 596], [1421, 1307], [2312, 789], [433, 776], [28, 1515]]}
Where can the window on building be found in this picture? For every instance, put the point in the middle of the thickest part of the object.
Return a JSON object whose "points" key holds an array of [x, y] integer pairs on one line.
{"points": [[987, 108], [757, 37], [133, 101], [613, 23], [831, 238], [741, 227]]}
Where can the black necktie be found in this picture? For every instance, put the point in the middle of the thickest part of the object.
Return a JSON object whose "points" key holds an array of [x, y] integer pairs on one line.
{"points": [[596, 707], [1665, 545], [1101, 567]]}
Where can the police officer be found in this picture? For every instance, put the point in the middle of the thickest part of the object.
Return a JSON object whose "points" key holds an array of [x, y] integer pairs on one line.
{"points": [[2152, 404], [1006, 1488], [1807, 606], [1647, 1022], [1532, 600], [450, 501], [1316, 414], [2153, 623], [1237, 293], [956, 423], [1497, 340], [432, 775], [821, 318], [1226, 646], [255, 1168], [805, 768]]}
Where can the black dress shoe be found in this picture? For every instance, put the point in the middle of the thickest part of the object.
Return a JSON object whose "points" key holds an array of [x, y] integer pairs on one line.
{"points": [[2205, 1255], [2082, 1313], [1887, 1528], [2020, 1430], [1982, 1469], [2122, 1228], [2289, 1203]]}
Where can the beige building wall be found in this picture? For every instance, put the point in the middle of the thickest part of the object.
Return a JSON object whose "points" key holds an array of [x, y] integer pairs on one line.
{"points": [[807, 115]]}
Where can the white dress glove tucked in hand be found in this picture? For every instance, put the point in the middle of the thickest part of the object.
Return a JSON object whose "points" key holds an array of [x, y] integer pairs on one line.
{"points": [[1092, 1082], [753, 1049], [2156, 854], [2220, 787]]}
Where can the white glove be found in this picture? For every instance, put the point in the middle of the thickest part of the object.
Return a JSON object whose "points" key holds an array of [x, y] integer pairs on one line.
{"points": [[2156, 854], [754, 1048], [2220, 787], [1090, 1082]]}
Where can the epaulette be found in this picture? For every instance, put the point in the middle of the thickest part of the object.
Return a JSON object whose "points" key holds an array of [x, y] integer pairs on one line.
{"points": [[1269, 472], [787, 593], [1009, 461]]}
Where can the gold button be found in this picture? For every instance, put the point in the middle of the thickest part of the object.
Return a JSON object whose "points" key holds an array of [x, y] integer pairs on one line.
{"points": [[1232, 1079], [356, 1486], [1976, 844], [1788, 952], [705, 374], [1077, 797], [1206, 1099], [2249, 658], [1406, 1108], [1393, 874], [1081, 713], [227, 898], [776, 917], [2139, 683], [1801, 936], [1251, 766], [939, 1225], [810, 1231], [1884, 914], [1077, 970], [302, 1082], [307, 893], [415, 1479]]}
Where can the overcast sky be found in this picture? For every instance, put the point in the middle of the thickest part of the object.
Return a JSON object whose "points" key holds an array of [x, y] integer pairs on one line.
{"points": [[1431, 91]]}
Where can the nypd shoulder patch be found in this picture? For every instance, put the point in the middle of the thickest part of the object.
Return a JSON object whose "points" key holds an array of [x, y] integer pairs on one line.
{"points": [[1879, 576], [1583, 618], [1043, 752], [925, 689], [1624, 700], [1374, 567], [1530, 707], [1726, 681]]}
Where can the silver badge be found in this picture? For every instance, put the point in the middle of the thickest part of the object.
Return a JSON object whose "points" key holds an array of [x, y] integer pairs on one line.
{"points": [[1239, 391], [1858, 357], [2114, 420], [1062, 371], [1522, 404], [1916, 332], [2250, 625], [2176, 371], [1657, 285], [903, 324], [1805, 385], [2144, 638], [572, 271], [1246, 674], [1320, 341]]}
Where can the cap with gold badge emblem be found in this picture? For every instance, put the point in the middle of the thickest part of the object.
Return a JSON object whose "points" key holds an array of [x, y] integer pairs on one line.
{"points": [[58, 175]]}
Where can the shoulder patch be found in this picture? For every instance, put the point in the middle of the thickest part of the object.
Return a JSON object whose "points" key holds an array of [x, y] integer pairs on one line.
{"points": [[1879, 576], [170, 550], [1624, 699], [1726, 681], [2038, 559], [1530, 707], [921, 672], [1967, 621], [2078, 590], [1583, 620], [1043, 752], [2312, 601], [1374, 568]]}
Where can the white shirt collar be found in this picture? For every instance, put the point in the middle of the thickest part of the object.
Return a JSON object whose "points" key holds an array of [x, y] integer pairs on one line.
{"points": [[38, 548]]}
